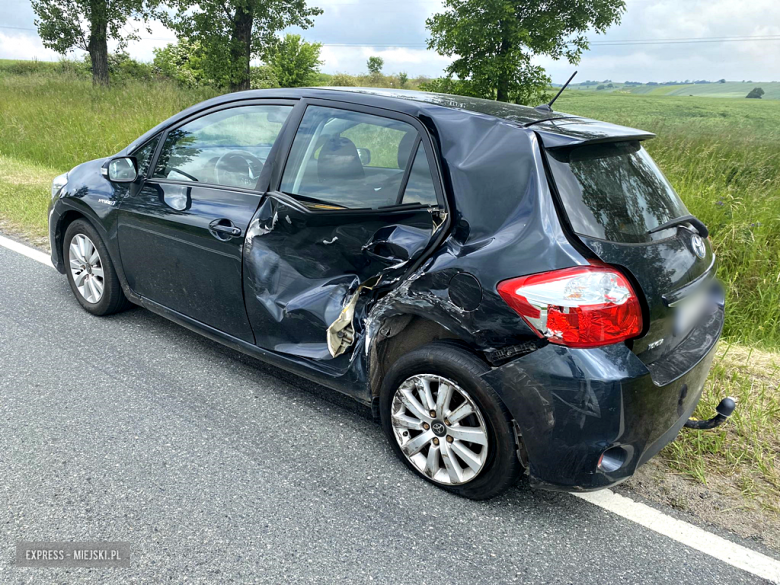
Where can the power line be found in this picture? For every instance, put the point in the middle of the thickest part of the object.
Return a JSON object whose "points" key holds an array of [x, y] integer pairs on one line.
{"points": [[604, 43]]}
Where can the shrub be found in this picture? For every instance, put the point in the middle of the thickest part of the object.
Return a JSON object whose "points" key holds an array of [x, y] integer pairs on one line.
{"points": [[184, 63], [343, 80], [262, 77]]}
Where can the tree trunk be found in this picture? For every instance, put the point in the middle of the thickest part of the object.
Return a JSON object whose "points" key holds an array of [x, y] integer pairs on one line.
{"points": [[241, 47], [502, 86], [98, 42]]}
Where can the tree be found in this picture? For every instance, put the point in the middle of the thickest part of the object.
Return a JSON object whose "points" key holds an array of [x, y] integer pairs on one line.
{"points": [[495, 40], [295, 62], [403, 78], [755, 93], [233, 32], [64, 25], [375, 65]]}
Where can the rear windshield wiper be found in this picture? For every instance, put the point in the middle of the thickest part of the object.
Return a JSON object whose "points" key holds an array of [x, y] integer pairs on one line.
{"points": [[694, 221]]}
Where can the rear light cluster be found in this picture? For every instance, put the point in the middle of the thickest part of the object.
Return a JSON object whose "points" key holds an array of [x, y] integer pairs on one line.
{"points": [[585, 306]]}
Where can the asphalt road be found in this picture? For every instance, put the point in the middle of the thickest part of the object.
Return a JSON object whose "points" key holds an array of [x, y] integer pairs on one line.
{"points": [[219, 469]]}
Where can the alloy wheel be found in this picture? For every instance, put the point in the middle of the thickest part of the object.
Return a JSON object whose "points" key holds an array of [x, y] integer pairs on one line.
{"points": [[440, 429], [86, 268]]}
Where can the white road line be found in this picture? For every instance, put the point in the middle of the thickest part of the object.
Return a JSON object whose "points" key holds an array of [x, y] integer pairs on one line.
{"points": [[26, 251], [719, 548]]}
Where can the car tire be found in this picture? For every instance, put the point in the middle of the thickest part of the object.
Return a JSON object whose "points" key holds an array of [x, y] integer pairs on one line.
{"points": [[438, 365], [90, 270]]}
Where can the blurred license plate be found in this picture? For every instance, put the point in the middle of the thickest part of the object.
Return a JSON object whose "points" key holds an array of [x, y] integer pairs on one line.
{"points": [[690, 311]]}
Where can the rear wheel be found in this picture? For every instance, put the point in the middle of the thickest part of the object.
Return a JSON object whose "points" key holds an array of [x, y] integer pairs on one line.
{"points": [[446, 424], [90, 272]]}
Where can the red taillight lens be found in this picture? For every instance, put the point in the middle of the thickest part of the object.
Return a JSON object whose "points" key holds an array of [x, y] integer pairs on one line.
{"points": [[586, 306]]}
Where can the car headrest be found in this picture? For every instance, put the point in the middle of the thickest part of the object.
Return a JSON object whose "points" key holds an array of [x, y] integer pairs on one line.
{"points": [[405, 148], [339, 159]]}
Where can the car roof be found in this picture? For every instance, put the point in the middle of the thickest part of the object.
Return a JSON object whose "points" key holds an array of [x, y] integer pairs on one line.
{"points": [[555, 128]]}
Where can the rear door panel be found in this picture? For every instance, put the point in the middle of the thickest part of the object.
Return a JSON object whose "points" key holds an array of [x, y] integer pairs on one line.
{"points": [[301, 266], [314, 252]]}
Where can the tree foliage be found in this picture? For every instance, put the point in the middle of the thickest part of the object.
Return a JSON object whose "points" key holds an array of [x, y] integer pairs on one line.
{"points": [[755, 93], [294, 62], [494, 41], [64, 25], [184, 62], [233, 32], [262, 77], [375, 65]]}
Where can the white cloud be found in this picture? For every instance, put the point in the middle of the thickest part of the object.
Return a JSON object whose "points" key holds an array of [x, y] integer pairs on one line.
{"points": [[353, 60], [22, 46]]}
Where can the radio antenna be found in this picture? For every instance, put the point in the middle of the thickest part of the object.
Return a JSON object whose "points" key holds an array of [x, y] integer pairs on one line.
{"points": [[548, 106]]}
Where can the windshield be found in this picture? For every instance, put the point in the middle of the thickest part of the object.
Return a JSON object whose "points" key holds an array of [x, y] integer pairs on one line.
{"points": [[614, 191]]}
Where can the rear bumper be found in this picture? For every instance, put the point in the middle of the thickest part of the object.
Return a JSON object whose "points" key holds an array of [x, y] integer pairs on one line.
{"points": [[573, 404]]}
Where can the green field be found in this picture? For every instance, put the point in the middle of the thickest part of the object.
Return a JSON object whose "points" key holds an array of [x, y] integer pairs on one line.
{"points": [[730, 89]]}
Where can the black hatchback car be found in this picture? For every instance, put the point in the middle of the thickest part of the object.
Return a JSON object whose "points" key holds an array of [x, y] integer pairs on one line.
{"points": [[513, 291]]}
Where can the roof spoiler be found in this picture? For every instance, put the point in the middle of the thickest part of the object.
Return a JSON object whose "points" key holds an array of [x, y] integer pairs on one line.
{"points": [[569, 137]]}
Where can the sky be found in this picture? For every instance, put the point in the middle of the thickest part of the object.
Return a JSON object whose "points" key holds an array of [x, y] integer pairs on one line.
{"points": [[353, 30]]}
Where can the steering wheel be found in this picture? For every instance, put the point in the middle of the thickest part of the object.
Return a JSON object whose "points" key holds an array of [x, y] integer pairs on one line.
{"points": [[248, 160]]}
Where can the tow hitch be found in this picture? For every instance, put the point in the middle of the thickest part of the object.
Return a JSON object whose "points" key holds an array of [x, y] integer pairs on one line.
{"points": [[724, 410]]}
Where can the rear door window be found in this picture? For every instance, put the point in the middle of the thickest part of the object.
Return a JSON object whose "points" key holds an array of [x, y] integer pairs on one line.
{"points": [[614, 191], [342, 159]]}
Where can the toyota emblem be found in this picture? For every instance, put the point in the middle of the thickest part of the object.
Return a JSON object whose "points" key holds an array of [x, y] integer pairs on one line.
{"points": [[698, 246]]}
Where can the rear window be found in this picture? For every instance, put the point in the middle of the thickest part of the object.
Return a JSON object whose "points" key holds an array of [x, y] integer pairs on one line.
{"points": [[614, 191]]}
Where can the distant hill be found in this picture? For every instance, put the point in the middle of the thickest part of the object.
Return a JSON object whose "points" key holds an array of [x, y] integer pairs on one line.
{"points": [[730, 89]]}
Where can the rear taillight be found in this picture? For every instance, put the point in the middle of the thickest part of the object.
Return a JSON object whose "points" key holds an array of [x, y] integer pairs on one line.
{"points": [[585, 306]]}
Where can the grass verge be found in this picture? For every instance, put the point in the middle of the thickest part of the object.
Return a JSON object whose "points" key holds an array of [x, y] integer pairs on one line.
{"points": [[24, 198], [747, 447], [729, 476]]}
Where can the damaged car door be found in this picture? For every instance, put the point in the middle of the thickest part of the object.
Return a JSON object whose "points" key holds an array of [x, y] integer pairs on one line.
{"points": [[357, 202]]}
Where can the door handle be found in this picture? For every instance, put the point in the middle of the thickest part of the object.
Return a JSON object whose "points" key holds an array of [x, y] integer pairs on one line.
{"points": [[224, 229]]}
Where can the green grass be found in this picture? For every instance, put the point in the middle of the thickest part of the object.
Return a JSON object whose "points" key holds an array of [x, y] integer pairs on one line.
{"points": [[24, 196], [746, 448], [723, 157], [62, 120]]}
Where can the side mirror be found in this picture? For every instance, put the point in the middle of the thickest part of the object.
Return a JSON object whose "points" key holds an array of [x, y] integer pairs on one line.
{"points": [[122, 170], [365, 156]]}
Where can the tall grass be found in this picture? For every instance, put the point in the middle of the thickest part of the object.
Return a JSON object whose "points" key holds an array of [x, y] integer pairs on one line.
{"points": [[723, 157], [62, 120]]}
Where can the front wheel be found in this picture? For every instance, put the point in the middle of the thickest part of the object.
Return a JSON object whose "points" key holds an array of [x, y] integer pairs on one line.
{"points": [[446, 424], [91, 273]]}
